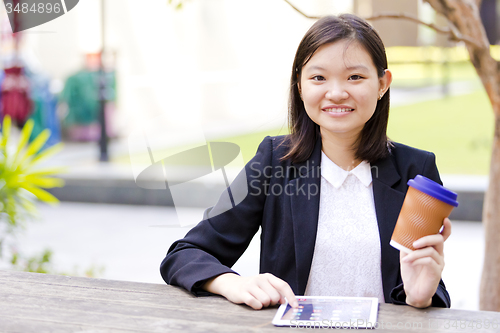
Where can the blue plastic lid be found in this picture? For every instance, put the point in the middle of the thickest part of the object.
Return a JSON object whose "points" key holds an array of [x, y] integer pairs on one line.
{"points": [[434, 189]]}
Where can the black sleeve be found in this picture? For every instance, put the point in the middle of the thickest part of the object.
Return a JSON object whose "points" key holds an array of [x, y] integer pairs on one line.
{"points": [[441, 298], [216, 243]]}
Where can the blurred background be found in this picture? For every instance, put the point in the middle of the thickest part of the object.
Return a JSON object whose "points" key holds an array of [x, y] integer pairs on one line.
{"points": [[181, 72]]}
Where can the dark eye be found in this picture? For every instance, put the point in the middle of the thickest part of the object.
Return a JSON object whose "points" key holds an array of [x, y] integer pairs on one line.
{"points": [[355, 77], [318, 78]]}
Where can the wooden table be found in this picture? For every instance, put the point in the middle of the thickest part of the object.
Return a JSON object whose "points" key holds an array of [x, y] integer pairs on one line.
{"points": [[32, 302]]}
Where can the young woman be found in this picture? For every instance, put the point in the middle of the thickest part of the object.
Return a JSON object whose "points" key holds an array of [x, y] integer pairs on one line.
{"points": [[326, 197]]}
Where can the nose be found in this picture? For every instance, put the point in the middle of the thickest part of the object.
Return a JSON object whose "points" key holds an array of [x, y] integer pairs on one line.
{"points": [[336, 92]]}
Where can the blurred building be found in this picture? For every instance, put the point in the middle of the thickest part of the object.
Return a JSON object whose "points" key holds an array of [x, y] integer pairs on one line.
{"points": [[406, 33], [224, 63], [410, 33]]}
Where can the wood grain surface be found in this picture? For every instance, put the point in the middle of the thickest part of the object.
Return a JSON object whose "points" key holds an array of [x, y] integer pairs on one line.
{"points": [[31, 302]]}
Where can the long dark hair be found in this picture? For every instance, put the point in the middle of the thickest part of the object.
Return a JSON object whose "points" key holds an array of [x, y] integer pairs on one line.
{"points": [[373, 143]]}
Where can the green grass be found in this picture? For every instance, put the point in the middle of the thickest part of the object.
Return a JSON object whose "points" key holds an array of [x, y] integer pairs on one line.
{"points": [[420, 75], [422, 66], [458, 129], [250, 142]]}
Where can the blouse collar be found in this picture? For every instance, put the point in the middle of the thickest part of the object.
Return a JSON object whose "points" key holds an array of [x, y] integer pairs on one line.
{"points": [[336, 176]]}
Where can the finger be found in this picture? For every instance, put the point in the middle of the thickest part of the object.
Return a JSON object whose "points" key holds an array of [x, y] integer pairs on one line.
{"points": [[284, 289], [260, 295], [428, 252], [428, 261], [446, 232], [251, 301], [435, 241], [268, 288]]}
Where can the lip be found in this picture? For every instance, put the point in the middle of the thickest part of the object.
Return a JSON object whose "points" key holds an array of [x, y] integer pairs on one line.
{"points": [[337, 114], [335, 106]]}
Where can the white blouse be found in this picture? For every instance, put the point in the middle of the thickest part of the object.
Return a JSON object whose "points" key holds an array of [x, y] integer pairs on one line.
{"points": [[347, 255]]}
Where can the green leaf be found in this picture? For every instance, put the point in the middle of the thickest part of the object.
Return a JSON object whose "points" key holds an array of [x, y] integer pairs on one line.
{"points": [[45, 182], [20, 181], [46, 153], [50, 171], [11, 209], [6, 131], [36, 145], [14, 258], [23, 139], [46, 256], [41, 194], [28, 206]]}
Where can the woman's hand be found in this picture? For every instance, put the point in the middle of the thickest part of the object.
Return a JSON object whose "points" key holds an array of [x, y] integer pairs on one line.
{"points": [[258, 291], [421, 270]]}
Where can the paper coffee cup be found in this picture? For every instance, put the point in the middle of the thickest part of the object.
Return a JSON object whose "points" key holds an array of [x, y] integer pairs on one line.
{"points": [[426, 205]]}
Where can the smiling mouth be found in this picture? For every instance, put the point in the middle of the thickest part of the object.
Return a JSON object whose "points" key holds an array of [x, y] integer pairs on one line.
{"points": [[338, 110]]}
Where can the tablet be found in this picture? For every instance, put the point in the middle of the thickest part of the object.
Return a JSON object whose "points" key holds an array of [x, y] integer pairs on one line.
{"points": [[329, 312]]}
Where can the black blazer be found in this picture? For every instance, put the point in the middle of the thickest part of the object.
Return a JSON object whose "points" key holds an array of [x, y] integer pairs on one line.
{"points": [[283, 199]]}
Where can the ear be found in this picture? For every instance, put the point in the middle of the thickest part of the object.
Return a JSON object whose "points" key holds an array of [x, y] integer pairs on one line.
{"points": [[385, 82], [300, 89]]}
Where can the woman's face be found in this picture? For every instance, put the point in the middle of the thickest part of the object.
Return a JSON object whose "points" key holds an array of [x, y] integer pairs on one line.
{"points": [[340, 88]]}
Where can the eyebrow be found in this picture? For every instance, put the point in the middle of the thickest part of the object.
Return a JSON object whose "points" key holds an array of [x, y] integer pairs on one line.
{"points": [[316, 68], [357, 67], [350, 68]]}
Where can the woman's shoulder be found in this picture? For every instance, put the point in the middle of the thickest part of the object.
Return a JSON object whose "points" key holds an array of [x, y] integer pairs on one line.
{"points": [[405, 151], [276, 145], [407, 157], [270, 154], [278, 139], [411, 161]]}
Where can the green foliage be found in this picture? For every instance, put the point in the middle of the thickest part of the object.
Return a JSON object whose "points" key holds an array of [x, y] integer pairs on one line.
{"points": [[36, 264], [94, 271], [42, 263], [21, 182], [21, 178], [177, 4]]}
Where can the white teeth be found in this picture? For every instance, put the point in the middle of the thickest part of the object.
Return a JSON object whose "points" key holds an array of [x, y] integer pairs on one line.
{"points": [[338, 110]]}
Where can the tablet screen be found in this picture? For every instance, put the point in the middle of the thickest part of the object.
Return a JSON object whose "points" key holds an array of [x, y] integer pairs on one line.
{"points": [[334, 312]]}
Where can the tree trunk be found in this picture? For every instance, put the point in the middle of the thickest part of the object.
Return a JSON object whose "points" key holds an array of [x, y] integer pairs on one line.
{"points": [[464, 15], [490, 280]]}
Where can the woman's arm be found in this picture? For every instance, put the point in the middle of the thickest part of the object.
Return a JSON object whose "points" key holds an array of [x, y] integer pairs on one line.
{"points": [[201, 261], [421, 270], [258, 291]]}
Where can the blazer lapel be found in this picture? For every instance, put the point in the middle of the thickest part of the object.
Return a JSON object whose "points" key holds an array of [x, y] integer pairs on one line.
{"points": [[388, 202], [304, 203]]}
